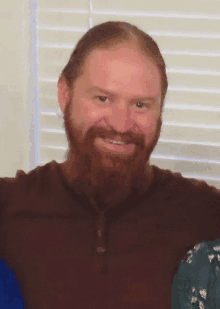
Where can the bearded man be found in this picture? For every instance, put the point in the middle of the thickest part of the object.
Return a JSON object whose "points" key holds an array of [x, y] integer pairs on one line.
{"points": [[105, 228]]}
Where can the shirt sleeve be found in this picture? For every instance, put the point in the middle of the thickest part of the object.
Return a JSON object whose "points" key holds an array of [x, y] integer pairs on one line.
{"points": [[197, 282]]}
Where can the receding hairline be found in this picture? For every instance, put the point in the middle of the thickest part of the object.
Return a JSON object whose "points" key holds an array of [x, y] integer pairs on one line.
{"points": [[106, 36], [134, 42]]}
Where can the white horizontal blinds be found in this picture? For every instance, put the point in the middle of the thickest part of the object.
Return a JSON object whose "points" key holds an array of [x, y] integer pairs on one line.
{"points": [[60, 26], [188, 34]]}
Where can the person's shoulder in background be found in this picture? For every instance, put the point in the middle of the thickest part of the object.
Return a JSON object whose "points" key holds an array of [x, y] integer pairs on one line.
{"points": [[197, 282], [10, 289]]}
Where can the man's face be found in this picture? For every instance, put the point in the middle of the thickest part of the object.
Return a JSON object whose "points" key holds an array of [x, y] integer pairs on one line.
{"points": [[116, 99]]}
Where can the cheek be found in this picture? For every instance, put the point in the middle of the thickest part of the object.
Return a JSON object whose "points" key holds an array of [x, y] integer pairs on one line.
{"points": [[149, 123], [85, 115]]}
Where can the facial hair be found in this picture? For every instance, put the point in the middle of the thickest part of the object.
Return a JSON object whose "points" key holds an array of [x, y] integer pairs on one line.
{"points": [[106, 179]]}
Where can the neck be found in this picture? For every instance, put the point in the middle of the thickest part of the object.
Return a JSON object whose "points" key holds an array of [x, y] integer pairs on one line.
{"points": [[106, 188]]}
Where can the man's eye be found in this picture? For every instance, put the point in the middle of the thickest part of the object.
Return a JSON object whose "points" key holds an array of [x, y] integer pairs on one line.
{"points": [[140, 104], [102, 99]]}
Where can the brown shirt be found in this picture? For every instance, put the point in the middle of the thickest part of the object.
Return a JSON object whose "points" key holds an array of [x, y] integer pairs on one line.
{"points": [[51, 238]]}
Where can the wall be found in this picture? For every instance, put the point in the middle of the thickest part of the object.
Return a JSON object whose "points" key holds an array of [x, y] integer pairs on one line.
{"points": [[16, 87]]}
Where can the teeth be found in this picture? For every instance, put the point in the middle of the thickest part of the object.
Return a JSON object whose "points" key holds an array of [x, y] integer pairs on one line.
{"points": [[114, 142]]}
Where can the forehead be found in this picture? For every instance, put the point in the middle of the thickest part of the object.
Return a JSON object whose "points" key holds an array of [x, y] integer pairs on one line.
{"points": [[124, 68]]}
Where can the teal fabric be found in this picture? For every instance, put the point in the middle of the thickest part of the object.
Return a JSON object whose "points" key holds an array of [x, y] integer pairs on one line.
{"points": [[197, 282], [10, 295]]}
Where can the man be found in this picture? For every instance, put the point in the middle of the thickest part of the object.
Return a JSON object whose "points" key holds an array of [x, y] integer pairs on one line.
{"points": [[105, 229]]}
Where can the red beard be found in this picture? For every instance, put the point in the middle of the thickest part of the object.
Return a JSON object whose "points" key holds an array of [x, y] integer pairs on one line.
{"points": [[105, 178]]}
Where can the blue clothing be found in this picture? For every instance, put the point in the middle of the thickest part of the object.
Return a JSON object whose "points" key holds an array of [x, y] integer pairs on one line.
{"points": [[10, 294], [197, 282]]}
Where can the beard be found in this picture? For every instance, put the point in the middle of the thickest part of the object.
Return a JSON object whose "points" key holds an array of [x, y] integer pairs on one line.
{"points": [[106, 179]]}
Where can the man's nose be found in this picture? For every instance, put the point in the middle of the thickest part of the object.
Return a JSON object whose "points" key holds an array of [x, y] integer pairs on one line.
{"points": [[120, 118]]}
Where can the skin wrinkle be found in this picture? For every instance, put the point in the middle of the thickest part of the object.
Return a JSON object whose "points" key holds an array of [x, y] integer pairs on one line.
{"points": [[103, 176]]}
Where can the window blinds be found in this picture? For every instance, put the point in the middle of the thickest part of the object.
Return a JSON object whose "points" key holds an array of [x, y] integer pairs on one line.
{"points": [[188, 35]]}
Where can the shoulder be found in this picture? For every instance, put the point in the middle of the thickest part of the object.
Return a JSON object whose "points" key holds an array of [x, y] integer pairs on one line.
{"points": [[175, 185], [14, 188]]}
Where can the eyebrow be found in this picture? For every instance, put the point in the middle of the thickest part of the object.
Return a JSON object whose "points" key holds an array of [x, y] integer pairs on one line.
{"points": [[113, 93]]}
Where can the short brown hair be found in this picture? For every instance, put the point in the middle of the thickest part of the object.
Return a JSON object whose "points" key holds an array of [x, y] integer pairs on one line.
{"points": [[106, 35]]}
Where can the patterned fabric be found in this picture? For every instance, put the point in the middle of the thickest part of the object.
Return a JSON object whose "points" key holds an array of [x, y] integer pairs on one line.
{"points": [[197, 282]]}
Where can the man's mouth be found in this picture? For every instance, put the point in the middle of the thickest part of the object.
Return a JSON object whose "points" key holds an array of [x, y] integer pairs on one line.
{"points": [[115, 142], [115, 147]]}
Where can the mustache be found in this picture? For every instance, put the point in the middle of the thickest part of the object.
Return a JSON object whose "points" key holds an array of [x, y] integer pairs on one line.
{"points": [[127, 137]]}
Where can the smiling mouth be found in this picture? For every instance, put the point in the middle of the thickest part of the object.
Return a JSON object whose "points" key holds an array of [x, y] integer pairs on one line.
{"points": [[115, 147], [115, 142]]}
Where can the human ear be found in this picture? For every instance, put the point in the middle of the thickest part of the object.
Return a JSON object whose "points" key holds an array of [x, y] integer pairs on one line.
{"points": [[63, 93]]}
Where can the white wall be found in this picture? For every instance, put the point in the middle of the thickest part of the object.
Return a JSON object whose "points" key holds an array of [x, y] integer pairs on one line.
{"points": [[16, 87]]}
